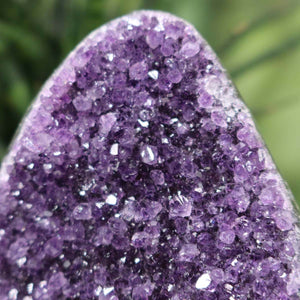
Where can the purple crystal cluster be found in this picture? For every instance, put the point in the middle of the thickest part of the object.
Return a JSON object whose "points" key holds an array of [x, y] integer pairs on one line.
{"points": [[139, 174]]}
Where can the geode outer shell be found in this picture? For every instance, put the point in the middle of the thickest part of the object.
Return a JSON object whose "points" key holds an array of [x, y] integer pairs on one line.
{"points": [[139, 174]]}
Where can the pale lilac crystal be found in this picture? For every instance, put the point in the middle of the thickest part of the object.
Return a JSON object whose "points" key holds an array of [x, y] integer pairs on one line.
{"points": [[138, 71], [17, 249], [189, 49], [149, 154], [174, 76], [57, 281], [53, 247], [139, 174], [82, 103], [154, 38], [226, 235], [157, 177], [82, 212], [217, 275], [188, 252], [103, 236]]}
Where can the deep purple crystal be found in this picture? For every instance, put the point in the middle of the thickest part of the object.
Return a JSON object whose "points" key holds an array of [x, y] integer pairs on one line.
{"points": [[139, 174]]}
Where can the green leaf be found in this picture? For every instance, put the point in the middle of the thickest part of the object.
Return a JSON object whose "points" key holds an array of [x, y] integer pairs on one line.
{"points": [[26, 41]]}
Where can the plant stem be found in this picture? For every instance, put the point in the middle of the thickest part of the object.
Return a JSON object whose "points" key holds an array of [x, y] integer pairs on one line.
{"points": [[243, 29], [275, 106], [288, 45]]}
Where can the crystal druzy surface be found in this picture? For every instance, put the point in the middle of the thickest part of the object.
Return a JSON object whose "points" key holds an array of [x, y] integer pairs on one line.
{"points": [[138, 174]]}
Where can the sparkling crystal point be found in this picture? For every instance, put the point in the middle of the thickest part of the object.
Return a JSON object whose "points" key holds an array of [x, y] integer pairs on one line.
{"points": [[139, 174]]}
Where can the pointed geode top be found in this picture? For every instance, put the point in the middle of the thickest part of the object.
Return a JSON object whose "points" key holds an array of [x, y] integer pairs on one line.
{"points": [[138, 174]]}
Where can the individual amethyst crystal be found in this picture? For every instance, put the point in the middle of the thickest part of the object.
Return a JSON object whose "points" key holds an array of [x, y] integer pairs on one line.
{"points": [[138, 174]]}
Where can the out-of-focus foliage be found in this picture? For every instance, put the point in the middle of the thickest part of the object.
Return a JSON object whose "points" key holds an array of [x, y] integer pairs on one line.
{"points": [[257, 41]]}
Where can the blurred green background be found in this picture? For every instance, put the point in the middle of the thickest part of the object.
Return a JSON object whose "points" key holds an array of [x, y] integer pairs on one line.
{"points": [[258, 42]]}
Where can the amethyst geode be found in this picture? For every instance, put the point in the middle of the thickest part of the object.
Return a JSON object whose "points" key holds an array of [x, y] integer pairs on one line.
{"points": [[139, 174]]}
